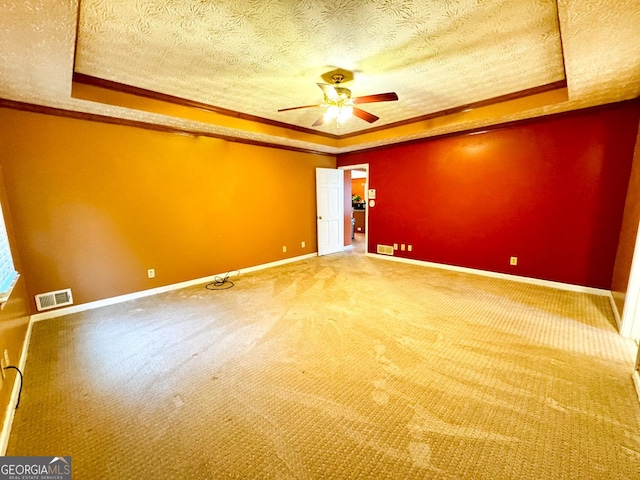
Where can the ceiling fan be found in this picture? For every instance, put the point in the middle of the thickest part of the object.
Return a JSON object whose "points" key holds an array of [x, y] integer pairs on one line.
{"points": [[340, 105]]}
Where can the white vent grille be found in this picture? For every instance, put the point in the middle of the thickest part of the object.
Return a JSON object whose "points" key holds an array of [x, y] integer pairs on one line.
{"points": [[45, 301], [385, 249]]}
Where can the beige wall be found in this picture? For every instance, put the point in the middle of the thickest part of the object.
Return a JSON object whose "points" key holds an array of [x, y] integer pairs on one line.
{"points": [[96, 205], [628, 233]]}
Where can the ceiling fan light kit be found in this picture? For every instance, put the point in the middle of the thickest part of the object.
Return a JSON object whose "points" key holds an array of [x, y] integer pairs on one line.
{"points": [[340, 106], [338, 113]]}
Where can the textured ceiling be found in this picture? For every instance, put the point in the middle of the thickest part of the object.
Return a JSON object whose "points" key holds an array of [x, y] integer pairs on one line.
{"points": [[255, 57]]}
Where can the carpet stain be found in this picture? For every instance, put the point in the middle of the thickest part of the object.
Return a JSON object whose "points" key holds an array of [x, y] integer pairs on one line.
{"points": [[380, 397], [420, 454], [177, 401]]}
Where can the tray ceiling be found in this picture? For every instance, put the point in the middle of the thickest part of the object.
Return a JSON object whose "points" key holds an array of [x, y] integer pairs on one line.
{"points": [[251, 58]]}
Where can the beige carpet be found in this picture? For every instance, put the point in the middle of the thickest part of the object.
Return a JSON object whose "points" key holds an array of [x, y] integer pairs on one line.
{"points": [[337, 367]]}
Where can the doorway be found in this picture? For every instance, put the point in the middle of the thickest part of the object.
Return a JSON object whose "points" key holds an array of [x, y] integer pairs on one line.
{"points": [[359, 212]]}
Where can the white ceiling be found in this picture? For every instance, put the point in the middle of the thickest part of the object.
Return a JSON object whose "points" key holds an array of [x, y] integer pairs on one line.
{"points": [[255, 57]]}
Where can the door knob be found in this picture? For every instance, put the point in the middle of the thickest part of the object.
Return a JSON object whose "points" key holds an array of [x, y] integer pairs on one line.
{"points": [[319, 218]]}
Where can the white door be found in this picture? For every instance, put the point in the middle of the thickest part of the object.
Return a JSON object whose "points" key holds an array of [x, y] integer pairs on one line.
{"points": [[330, 210]]}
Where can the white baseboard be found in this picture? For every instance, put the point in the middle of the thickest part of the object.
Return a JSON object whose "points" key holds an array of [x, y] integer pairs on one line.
{"points": [[636, 381], [154, 291], [11, 408], [616, 314], [503, 276]]}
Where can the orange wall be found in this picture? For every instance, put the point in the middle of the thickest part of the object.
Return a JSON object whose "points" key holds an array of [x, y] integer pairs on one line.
{"points": [[357, 187], [14, 316], [628, 233], [96, 205]]}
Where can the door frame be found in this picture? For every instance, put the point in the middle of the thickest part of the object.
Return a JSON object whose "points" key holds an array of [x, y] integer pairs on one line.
{"points": [[630, 320], [365, 167]]}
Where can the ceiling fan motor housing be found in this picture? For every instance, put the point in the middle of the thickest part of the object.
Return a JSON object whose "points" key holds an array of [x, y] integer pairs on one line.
{"points": [[342, 93]]}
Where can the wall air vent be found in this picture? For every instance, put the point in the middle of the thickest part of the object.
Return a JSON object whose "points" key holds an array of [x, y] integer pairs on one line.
{"points": [[45, 301], [385, 249]]}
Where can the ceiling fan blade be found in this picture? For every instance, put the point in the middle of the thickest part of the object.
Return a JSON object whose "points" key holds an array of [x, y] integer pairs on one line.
{"points": [[329, 91], [369, 117], [379, 97], [296, 108], [319, 121]]}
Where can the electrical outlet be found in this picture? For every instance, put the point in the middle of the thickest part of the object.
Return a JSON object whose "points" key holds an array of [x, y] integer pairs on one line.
{"points": [[513, 261], [303, 244], [151, 273], [402, 247], [284, 249], [395, 246], [410, 247]]}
